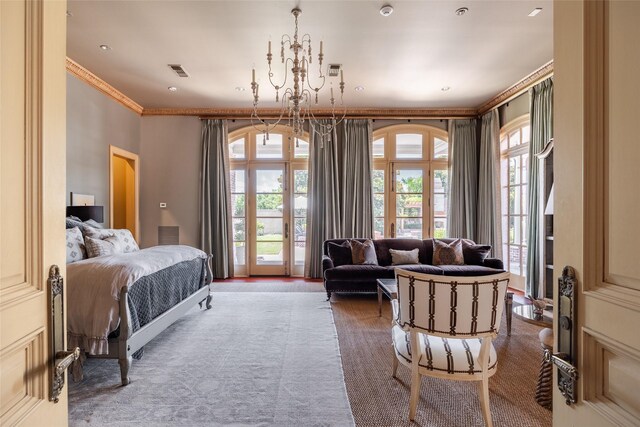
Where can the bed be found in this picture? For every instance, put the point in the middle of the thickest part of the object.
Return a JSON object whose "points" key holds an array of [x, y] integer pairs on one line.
{"points": [[117, 303]]}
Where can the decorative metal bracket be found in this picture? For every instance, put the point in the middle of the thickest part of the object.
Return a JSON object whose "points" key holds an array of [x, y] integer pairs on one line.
{"points": [[62, 359], [566, 356]]}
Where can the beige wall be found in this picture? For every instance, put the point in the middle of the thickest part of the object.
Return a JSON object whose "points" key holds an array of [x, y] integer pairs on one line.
{"points": [[170, 173], [93, 122]]}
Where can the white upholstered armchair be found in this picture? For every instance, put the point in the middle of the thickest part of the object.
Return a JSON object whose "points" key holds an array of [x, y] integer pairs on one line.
{"points": [[451, 322]]}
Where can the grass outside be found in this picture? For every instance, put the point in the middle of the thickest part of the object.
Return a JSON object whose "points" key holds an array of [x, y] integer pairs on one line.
{"points": [[269, 244]]}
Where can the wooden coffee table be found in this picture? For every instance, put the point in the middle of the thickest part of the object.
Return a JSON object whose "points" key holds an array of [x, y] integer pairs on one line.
{"points": [[387, 287]]}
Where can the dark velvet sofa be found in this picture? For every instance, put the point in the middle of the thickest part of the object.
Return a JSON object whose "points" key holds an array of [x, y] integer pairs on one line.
{"points": [[362, 278]]}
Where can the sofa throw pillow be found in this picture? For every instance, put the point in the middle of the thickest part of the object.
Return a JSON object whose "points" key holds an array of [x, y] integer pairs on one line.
{"points": [[339, 254], [92, 223], [99, 247], [71, 222], [447, 253], [474, 254], [404, 257], [75, 245], [127, 242], [363, 252]]}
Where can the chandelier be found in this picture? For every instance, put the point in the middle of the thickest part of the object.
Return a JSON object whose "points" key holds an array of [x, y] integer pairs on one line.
{"points": [[296, 92]]}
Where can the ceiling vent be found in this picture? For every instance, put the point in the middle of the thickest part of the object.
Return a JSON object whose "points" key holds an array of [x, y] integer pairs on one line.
{"points": [[177, 68], [334, 70]]}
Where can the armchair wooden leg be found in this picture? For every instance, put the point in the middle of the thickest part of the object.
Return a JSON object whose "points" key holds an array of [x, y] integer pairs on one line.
{"points": [[394, 364], [483, 393], [415, 394]]}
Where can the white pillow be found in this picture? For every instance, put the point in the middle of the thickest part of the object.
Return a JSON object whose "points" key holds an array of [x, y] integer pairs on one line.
{"points": [[127, 242], [75, 245]]}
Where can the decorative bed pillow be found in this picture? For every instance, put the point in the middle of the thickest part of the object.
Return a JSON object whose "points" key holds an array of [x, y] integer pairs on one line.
{"points": [[75, 245], [447, 254], [127, 242], [363, 252], [474, 254], [72, 221], [404, 257], [339, 254], [99, 247], [92, 223]]}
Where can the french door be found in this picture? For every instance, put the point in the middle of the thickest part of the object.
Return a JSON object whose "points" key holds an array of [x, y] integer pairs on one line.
{"points": [[269, 219]]}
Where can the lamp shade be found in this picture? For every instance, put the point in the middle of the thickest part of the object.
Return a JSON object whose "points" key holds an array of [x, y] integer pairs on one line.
{"points": [[549, 208], [95, 213]]}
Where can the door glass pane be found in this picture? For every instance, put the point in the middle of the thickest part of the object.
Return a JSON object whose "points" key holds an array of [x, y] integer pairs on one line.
{"points": [[514, 260], [269, 205], [378, 228], [239, 253], [300, 226], [300, 205], [236, 149], [378, 148], [300, 178], [409, 205], [298, 253], [378, 205], [409, 227], [301, 151], [237, 204], [237, 181], [269, 253], [440, 227], [526, 131], [270, 148], [408, 146], [269, 181], [239, 233], [378, 181], [440, 148], [269, 229], [409, 181], [439, 205]]}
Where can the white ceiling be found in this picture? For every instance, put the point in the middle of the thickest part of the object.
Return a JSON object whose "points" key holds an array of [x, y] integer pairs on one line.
{"points": [[402, 60]]}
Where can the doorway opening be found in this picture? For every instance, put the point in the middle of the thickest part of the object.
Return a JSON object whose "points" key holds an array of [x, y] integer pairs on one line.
{"points": [[123, 190]]}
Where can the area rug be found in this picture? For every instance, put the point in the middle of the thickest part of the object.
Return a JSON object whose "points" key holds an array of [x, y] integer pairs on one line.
{"points": [[379, 400], [254, 359]]}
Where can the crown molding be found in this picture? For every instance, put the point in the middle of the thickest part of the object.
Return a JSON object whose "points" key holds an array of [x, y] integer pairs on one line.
{"points": [[274, 113], [517, 89], [96, 82]]}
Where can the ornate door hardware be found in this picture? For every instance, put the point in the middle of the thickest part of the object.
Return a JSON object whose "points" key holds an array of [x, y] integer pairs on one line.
{"points": [[62, 359], [566, 357]]}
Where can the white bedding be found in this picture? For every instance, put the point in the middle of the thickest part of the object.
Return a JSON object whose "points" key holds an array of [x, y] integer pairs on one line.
{"points": [[94, 285]]}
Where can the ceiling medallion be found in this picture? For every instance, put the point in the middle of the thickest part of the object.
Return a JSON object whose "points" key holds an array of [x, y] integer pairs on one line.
{"points": [[296, 92]]}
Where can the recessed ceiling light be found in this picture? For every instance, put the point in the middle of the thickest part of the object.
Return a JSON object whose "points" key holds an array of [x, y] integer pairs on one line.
{"points": [[445, 88], [386, 10], [359, 88], [105, 47], [535, 11], [461, 11], [240, 89], [172, 88]]}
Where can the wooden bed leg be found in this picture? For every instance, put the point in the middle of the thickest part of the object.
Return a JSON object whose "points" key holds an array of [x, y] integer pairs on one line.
{"points": [[125, 365]]}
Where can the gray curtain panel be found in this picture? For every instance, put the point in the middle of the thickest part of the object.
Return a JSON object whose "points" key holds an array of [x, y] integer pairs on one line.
{"points": [[323, 208], [340, 189], [357, 191], [541, 119], [463, 178], [488, 226], [215, 204]]}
